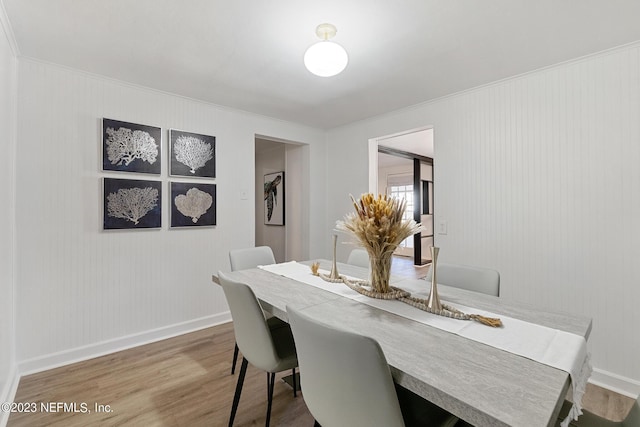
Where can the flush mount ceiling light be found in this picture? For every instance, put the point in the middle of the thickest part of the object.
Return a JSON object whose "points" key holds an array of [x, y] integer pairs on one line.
{"points": [[326, 58]]}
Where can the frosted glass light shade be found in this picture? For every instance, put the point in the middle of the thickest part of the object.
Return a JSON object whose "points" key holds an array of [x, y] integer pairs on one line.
{"points": [[326, 59]]}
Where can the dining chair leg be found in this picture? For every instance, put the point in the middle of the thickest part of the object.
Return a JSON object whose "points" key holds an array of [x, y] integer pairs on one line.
{"points": [[293, 381], [236, 397], [235, 359], [271, 379]]}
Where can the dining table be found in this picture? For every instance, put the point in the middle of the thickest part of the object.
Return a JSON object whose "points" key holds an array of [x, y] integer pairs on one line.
{"points": [[478, 383]]}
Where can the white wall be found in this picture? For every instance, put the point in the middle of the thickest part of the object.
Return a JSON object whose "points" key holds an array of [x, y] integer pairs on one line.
{"points": [[538, 177], [8, 86], [82, 291]]}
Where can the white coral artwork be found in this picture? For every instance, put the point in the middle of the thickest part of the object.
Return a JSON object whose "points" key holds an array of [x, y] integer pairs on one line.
{"points": [[192, 152], [125, 146], [194, 204], [132, 203]]}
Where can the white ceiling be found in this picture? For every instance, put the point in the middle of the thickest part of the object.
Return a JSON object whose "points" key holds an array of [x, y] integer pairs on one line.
{"points": [[247, 54]]}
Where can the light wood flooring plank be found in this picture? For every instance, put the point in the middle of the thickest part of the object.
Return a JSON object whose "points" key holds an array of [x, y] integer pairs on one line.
{"points": [[183, 381]]}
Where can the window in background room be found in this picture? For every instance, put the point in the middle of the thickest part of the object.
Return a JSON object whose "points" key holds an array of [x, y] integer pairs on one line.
{"points": [[404, 192]]}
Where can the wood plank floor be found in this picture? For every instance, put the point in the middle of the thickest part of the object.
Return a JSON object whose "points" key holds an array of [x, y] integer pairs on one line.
{"points": [[403, 266], [182, 381]]}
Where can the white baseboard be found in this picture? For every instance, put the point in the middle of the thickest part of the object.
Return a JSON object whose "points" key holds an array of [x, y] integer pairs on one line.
{"points": [[9, 393], [616, 383], [79, 354]]}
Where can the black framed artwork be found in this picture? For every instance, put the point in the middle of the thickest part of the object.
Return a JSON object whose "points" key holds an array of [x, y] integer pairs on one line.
{"points": [[192, 154], [274, 198], [131, 147], [193, 204], [131, 204]]}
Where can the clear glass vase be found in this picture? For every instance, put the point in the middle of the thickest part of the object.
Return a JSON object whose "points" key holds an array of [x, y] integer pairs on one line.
{"points": [[380, 272]]}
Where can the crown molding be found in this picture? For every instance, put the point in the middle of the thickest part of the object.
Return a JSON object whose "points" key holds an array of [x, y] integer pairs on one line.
{"points": [[8, 30]]}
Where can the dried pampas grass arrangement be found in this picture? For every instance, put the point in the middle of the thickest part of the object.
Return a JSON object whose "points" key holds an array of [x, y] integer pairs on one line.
{"points": [[378, 227]]}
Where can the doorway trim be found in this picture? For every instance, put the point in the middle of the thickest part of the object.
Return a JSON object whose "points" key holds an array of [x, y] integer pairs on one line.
{"points": [[373, 144], [374, 149]]}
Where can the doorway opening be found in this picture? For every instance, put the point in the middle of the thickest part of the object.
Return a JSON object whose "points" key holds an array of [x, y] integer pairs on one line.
{"points": [[401, 165], [279, 194]]}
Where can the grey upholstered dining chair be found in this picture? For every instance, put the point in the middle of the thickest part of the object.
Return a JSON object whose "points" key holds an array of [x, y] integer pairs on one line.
{"points": [[483, 280], [241, 259], [588, 419], [358, 257], [346, 380], [266, 344]]}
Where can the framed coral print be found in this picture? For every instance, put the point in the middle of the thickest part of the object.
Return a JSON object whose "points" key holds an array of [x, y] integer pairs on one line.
{"points": [[130, 147], [131, 204], [274, 198], [193, 204], [192, 154]]}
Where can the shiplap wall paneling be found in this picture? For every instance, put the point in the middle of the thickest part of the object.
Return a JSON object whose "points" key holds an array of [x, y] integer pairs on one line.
{"points": [[537, 176], [8, 87], [83, 290]]}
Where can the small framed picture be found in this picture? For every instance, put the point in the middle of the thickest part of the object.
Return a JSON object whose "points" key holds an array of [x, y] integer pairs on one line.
{"points": [[192, 154], [131, 204], [193, 204], [274, 198], [130, 147]]}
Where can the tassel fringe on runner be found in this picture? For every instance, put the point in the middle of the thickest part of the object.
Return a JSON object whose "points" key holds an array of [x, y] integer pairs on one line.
{"points": [[579, 386]]}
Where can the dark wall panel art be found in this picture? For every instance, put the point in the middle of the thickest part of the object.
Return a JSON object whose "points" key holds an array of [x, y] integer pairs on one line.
{"points": [[193, 204], [131, 204], [131, 147], [192, 154]]}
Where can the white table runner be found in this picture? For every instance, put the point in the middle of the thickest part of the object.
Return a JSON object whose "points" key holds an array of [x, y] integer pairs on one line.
{"points": [[552, 347]]}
